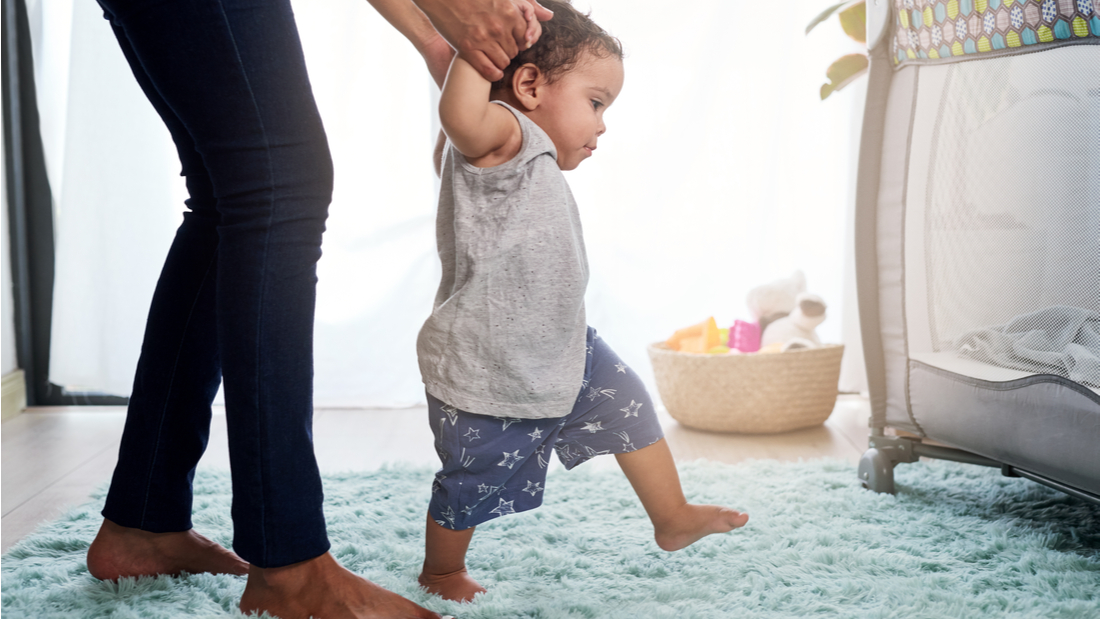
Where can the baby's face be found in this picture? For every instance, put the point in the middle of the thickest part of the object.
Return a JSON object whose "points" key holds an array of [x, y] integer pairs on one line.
{"points": [[572, 111]]}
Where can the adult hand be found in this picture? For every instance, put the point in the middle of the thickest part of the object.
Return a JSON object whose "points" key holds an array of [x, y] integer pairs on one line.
{"points": [[487, 33]]}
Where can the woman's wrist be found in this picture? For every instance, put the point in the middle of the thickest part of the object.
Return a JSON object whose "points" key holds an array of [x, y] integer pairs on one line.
{"points": [[427, 41], [437, 55], [409, 20]]}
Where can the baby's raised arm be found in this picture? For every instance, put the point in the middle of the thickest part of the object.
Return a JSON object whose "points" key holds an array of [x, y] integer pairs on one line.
{"points": [[486, 133]]}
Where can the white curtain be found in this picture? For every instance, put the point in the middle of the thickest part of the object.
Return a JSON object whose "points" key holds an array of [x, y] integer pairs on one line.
{"points": [[721, 169]]}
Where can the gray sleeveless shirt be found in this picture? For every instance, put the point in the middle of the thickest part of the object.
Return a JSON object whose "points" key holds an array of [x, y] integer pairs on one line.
{"points": [[507, 333]]}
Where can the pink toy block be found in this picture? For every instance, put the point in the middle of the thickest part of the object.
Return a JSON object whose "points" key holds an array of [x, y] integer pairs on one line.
{"points": [[745, 336]]}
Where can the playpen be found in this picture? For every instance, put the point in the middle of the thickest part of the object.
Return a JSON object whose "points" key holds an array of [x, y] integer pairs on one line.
{"points": [[978, 238]]}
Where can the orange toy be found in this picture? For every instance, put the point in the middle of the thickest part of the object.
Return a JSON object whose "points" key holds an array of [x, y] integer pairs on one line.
{"points": [[698, 338]]}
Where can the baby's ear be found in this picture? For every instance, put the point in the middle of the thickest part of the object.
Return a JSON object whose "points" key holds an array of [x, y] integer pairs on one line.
{"points": [[527, 86]]}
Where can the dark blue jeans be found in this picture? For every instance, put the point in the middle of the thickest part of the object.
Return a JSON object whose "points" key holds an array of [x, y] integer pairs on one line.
{"points": [[235, 301]]}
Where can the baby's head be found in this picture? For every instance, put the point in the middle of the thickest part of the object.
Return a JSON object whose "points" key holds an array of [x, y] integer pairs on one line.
{"points": [[565, 81]]}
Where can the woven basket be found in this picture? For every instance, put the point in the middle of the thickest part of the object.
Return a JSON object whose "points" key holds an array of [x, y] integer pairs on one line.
{"points": [[750, 394]]}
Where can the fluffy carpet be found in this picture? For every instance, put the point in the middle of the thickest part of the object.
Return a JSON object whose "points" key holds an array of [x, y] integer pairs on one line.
{"points": [[956, 541]]}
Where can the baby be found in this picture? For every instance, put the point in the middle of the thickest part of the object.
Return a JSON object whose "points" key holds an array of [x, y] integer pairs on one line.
{"points": [[512, 371]]}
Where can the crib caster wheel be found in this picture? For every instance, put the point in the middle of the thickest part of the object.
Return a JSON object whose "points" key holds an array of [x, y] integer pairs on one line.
{"points": [[876, 471]]}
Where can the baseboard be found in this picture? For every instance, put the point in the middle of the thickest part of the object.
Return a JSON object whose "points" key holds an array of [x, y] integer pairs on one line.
{"points": [[15, 394]]}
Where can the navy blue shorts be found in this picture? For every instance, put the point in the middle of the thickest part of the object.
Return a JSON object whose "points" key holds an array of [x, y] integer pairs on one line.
{"points": [[495, 466]]}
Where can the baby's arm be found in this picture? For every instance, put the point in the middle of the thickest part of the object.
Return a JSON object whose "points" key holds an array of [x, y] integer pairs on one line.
{"points": [[486, 133]]}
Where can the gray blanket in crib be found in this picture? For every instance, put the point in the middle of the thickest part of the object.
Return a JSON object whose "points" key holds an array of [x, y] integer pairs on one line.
{"points": [[1057, 340]]}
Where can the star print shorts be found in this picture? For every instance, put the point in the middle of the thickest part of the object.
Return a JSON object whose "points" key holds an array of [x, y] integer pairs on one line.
{"points": [[495, 466]]}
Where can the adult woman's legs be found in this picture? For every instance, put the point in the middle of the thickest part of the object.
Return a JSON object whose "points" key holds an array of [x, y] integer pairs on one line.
{"points": [[236, 299], [237, 292], [176, 380]]}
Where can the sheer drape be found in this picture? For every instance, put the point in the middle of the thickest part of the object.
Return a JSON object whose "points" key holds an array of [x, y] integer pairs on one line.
{"points": [[721, 169]]}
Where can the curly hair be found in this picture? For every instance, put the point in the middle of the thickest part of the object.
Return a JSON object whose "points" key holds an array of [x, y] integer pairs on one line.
{"points": [[564, 40]]}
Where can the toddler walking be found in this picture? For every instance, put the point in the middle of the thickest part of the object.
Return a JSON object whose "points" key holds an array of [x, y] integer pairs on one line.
{"points": [[512, 371]]}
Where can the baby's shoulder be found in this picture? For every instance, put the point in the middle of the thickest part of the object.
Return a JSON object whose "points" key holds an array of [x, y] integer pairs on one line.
{"points": [[533, 140]]}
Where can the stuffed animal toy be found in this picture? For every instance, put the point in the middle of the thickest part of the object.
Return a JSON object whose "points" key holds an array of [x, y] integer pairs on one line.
{"points": [[796, 330], [775, 300]]}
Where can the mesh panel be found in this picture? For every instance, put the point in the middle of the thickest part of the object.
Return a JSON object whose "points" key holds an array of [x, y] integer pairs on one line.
{"points": [[1012, 213]]}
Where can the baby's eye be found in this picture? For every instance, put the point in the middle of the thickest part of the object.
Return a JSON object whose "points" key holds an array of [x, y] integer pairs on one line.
{"points": [[597, 104]]}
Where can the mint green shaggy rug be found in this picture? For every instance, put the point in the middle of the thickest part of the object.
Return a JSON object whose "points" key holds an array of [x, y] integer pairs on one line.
{"points": [[956, 541]]}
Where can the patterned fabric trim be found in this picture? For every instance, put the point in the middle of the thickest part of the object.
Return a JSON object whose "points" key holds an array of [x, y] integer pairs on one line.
{"points": [[941, 30]]}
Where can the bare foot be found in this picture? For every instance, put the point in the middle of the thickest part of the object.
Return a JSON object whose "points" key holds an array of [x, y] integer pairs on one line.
{"points": [[456, 586], [694, 522], [321, 587], [123, 552]]}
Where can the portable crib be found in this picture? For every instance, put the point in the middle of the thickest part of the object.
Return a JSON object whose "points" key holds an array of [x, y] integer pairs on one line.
{"points": [[978, 238]]}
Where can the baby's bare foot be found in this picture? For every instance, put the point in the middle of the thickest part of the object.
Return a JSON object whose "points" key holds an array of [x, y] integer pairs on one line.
{"points": [[456, 586], [694, 522]]}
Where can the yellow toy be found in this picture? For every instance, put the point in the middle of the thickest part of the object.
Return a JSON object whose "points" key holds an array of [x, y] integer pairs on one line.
{"points": [[700, 338]]}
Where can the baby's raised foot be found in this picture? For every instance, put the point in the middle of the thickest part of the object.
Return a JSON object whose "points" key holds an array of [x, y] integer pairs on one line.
{"points": [[694, 522], [456, 586]]}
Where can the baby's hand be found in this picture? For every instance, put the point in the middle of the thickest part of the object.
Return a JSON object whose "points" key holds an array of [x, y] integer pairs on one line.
{"points": [[534, 13]]}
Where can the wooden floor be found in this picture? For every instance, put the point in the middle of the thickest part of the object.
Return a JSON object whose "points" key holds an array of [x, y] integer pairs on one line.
{"points": [[52, 458]]}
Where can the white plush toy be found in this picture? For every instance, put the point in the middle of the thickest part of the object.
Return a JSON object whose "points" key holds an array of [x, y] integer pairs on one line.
{"points": [[770, 301], [796, 330]]}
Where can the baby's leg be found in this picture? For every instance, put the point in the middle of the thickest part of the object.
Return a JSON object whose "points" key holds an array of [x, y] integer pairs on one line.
{"points": [[605, 423], [676, 523], [444, 572], [491, 467]]}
